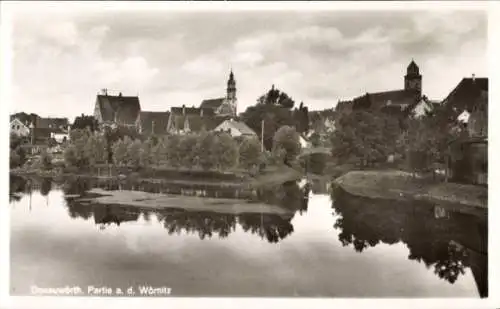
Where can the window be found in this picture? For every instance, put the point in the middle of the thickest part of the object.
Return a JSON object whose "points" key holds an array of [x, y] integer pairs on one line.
{"points": [[13, 127]]}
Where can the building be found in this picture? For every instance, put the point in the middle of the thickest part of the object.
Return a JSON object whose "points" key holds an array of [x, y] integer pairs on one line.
{"points": [[424, 107], [467, 160], [235, 129], [116, 110], [186, 120], [152, 123], [224, 106], [304, 142], [398, 102], [210, 114], [19, 128]]}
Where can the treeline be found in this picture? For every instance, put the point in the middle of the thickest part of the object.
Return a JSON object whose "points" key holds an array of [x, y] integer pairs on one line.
{"points": [[368, 138], [208, 150]]}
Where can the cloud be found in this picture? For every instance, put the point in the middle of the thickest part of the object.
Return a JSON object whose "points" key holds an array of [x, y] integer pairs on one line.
{"points": [[62, 60]]}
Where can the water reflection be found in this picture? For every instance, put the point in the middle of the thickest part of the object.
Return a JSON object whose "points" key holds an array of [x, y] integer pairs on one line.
{"points": [[448, 243], [205, 224]]}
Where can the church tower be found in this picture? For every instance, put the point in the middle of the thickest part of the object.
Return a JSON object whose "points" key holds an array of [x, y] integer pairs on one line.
{"points": [[413, 79], [231, 92]]}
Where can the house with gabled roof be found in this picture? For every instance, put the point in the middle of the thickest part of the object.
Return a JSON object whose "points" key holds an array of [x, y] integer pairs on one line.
{"points": [[465, 97], [186, 120], [235, 128], [114, 110], [19, 128], [152, 123]]}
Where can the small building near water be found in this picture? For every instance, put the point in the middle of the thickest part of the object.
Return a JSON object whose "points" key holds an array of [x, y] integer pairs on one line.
{"points": [[468, 161]]}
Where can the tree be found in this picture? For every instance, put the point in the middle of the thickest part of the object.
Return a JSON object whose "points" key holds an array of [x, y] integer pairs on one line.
{"points": [[84, 122], [286, 140], [15, 159], [120, 151], [96, 149], [365, 137], [225, 151], [204, 149], [186, 154], [250, 152], [71, 156], [276, 97], [173, 150], [45, 160], [274, 117]]}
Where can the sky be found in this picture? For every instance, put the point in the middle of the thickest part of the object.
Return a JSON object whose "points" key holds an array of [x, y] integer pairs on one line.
{"points": [[62, 59]]}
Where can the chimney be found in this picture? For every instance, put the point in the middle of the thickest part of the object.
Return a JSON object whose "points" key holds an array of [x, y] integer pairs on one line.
{"points": [[201, 112], [120, 94], [473, 77], [183, 109]]}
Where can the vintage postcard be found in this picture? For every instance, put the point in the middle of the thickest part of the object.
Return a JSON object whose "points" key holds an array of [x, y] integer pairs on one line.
{"points": [[163, 151]]}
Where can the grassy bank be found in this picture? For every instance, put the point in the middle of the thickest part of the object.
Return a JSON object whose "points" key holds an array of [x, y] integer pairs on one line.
{"points": [[400, 185], [160, 201], [270, 176]]}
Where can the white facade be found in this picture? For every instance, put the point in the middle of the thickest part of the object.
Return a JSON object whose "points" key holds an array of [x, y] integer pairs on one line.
{"points": [[19, 128], [464, 117], [235, 129], [303, 142], [60, 136]]}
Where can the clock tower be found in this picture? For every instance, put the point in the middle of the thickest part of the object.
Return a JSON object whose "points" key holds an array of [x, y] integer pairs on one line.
{"points": [[413, 79]]}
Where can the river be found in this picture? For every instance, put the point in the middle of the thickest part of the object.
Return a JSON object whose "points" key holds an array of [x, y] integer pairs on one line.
{"points": [[326, 244]]}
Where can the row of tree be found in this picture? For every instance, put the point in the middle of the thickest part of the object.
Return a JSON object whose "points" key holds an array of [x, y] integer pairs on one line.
{"points": [[207, 150], [367, 137]]}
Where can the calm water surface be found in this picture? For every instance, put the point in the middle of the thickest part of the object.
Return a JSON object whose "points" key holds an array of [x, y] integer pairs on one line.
{"points": [[328, 245]]}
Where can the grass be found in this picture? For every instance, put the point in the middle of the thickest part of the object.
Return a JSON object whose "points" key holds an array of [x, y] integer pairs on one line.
{"points": [[395, 184], [161, 201]]}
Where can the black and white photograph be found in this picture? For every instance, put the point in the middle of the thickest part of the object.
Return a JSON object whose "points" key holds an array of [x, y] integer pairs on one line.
{"points": [[284, 153]]}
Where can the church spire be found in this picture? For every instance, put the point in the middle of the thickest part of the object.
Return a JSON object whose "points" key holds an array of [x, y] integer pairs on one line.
{"points": [[231, 86]]}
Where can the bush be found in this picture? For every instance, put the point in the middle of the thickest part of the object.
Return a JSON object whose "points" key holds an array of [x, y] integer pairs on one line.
{"points": [[15, 159], [286, 143], [225, 151], [250, 152], [45, 160]]}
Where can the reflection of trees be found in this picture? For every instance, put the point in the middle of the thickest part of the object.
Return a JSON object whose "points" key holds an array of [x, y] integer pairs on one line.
{"points": [[270, 226], [435, 242], [45, 186], [205, 224], [17, 185]]}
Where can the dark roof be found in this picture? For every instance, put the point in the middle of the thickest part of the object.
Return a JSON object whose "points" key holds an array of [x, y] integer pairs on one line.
{"points": [[160, 120], [196, 122], [126, 109], [42, 133], [52, 123], [192, 111], [25, 118], [212, 103], [466, 94], [394, 98]]}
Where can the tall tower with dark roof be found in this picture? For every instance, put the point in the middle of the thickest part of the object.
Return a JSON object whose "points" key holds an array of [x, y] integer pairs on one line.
{"points": [[231, 91], [413, 79]]}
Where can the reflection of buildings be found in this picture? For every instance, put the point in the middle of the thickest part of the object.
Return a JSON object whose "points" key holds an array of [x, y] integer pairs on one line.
{"points": [[449, 245]]}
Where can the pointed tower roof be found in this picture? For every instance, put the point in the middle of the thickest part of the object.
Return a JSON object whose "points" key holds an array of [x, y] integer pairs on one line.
{"points": [[412, 67]]}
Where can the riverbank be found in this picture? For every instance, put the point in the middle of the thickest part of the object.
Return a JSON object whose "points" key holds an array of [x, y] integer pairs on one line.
{"points": [[271, 176], [398, 185], [163, 201]]}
